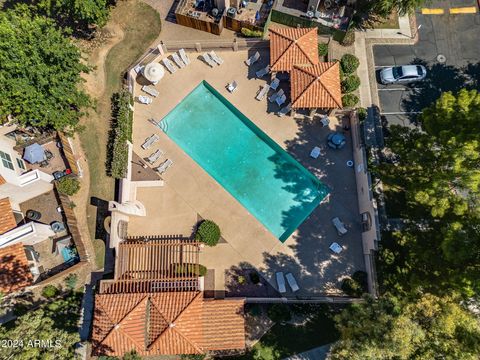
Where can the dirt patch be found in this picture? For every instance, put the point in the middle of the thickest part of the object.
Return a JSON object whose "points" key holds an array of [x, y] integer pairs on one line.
{"points": [[107, 38]]}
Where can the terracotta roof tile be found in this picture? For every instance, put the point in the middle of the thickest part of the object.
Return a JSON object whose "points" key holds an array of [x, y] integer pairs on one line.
{"points": [[316, 86], [292, 46], [166, 323], [14, 271], [2, 180], [7, 219]]}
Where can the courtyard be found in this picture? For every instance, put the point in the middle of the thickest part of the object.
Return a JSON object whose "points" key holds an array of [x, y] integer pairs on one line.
{"points": [[190, 194]]}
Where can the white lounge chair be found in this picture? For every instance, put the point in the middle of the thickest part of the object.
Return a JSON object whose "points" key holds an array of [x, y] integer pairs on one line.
{"points": [[325, 121], [184, 56], [150, 90], [231, 87], [274, 84], [280, 100], [292, 282], [164, 166], [274, 96], [280, 282], [169, 65], [152, 159], [152, 139], [336, 248], [145, 100], [340, 226], [215, 57], [208, 59], [177, 60], [253, 59], [261, 94], [262, 72], [315, 153], [285, 110]]}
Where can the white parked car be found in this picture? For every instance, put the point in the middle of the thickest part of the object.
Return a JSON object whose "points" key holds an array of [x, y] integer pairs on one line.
{"points": [[402, 74], [340, 226]]}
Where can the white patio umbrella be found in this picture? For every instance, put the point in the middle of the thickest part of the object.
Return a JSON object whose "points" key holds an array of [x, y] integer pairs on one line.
{"points": [[153, 72]]}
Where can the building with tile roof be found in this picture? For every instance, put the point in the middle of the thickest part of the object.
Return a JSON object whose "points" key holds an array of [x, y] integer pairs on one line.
{"points": [[155, 304], [316, 86], [14, 268], [7, 219], [292, 46]]}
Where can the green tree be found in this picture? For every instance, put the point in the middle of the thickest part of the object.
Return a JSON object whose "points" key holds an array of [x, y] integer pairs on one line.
{"points": [[68, 185], [428, 328], [76, 14], [40, 72]]}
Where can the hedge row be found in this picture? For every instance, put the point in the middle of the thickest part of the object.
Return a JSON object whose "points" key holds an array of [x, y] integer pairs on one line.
{"points": [[122, 119]]}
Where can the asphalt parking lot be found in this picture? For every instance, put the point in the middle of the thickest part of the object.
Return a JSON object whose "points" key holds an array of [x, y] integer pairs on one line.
{"points": [[456, 38]]}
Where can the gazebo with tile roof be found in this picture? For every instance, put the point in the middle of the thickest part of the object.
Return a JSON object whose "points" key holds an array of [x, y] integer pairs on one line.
{"points": [[292, 46], [316, 87]]}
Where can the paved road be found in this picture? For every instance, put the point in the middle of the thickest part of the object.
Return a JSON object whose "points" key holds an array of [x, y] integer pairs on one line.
{"points": [[456, 37]]}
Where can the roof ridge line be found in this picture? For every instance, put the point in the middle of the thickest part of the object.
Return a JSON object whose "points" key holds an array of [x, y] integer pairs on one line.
{"points": [[304, 53], [326, 88]]}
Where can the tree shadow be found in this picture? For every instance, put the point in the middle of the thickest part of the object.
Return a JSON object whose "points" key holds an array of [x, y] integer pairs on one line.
{"points": [[440, 78]]}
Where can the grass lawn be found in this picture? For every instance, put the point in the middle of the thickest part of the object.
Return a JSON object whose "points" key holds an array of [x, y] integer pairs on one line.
{"points": [[390, 23], [141, 26], [286, 340]]}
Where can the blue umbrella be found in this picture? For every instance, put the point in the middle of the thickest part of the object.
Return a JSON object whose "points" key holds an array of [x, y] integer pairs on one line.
{"points": [[34, 153], [257, 16]]}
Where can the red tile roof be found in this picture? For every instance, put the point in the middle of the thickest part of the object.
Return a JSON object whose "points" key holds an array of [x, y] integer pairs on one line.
{"points": [[7, 219], [14, 271], [292, 46], [166, 323], [316, 86]]}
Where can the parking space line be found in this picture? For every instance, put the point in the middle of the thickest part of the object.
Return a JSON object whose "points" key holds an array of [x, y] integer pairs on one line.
{"points": [[426, 11], [464, 10]]}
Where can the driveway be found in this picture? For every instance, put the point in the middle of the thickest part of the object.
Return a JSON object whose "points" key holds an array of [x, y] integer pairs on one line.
{"points": [[448, 46]]}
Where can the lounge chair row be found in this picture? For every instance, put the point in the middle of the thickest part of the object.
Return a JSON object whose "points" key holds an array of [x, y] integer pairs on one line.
{"points": [[292, 282], [181, 60], [153, 157], [212, 59]]}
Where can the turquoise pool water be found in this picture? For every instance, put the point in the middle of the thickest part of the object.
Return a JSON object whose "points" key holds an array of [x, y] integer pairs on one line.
{"points": [[267, 181]]}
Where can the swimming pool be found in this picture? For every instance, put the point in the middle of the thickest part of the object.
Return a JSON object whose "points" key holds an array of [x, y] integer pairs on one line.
{"points": [[266, 180]]}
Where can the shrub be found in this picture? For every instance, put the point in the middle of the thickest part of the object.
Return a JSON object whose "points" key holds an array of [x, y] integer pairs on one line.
{"points": [[349, 63], [356, 285], [68, 185], [120, 133], [349, 38], [251, 33], [241, 280], [192, 356], [349, 100], [362, 113], [50, 291], [279, 313], [71, 281], [208, 232], [190, 269], [254, 278], [350, 83], [322, 49]]}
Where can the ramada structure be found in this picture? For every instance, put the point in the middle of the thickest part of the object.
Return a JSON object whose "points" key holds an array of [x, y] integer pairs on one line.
{"points": [[155, 304]]}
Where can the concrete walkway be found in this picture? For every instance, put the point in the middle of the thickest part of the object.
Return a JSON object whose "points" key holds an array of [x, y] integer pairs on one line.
{"points": [[319, 353]]}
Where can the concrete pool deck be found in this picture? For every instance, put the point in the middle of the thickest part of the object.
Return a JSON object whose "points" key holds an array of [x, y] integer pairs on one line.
{"points": [[190, 193]]}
